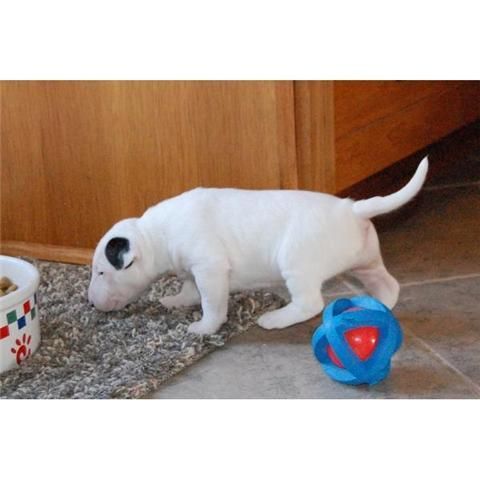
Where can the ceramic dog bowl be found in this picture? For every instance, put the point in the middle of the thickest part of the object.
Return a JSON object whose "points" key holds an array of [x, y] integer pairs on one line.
{"points": [[19, 316]]}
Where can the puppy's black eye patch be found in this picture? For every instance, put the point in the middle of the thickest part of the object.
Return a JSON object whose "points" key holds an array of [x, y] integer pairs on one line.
{"points": [[129, 265], [116, 248]]}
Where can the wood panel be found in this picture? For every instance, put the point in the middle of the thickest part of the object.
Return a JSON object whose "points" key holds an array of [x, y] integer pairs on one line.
{"points": [[368, 150], [78, 156], [315, 135], [359, 103]]}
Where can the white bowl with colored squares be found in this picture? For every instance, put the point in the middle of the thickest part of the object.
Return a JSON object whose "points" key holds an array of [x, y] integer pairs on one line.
{"points": [[19, 318]]}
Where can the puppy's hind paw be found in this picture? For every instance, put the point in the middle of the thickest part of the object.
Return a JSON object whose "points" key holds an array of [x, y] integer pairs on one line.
{"points": [[271, 320]]}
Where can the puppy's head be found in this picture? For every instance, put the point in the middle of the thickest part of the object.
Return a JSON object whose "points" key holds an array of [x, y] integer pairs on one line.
{"points": [[121, 268]]}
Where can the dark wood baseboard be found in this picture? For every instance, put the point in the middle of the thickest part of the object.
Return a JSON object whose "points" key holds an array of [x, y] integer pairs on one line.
{"points": [[56, 253]]}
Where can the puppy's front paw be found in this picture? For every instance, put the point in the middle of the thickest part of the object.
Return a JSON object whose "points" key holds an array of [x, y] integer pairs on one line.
{"points": [[202, 328]]}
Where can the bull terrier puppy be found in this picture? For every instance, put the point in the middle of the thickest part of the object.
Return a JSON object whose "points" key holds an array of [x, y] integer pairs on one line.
{"points": [[224, 240]]}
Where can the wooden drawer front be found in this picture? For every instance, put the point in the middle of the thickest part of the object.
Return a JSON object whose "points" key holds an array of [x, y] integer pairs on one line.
{"points": [[368, 150], [359, 103]]}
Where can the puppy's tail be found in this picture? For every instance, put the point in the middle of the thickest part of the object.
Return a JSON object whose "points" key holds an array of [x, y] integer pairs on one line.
{"points": [[377, 205]]}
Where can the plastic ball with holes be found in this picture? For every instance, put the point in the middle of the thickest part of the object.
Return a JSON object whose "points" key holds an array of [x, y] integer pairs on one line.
{"points": [[357, 340]]}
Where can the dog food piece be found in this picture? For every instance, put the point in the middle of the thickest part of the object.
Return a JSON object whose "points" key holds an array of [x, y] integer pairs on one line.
{"points": [[11, 288], [6, 286]]}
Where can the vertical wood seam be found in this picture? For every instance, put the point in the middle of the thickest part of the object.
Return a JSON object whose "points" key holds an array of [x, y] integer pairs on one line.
{"points": [[315, 135], [285, 104]]}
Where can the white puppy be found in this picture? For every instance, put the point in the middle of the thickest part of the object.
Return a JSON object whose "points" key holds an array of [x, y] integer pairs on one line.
{"points": [[224, 240]]}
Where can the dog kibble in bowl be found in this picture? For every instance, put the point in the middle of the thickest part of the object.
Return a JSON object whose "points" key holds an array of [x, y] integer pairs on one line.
{"points": [[6, 286]]}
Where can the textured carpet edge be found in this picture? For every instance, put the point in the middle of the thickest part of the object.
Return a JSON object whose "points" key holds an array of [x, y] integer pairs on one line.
{"points": [[74, 360]]}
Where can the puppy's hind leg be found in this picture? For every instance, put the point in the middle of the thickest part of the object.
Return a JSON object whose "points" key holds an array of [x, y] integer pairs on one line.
{"points": [[372, 272], [378, 282], [307, 302]]}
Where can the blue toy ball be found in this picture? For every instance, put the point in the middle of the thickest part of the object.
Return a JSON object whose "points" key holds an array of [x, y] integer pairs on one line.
{"points": [[356, 341]]}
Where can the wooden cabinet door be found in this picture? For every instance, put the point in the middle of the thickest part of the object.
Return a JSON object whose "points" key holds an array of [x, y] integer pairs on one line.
{"points": [[79, 156]]}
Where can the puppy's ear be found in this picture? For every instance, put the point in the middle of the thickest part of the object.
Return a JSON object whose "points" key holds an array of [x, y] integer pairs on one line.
{"points": [[119, 253]]}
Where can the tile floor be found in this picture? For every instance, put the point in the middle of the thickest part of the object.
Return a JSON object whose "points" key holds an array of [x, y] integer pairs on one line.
{"points": [[432, 247]]}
